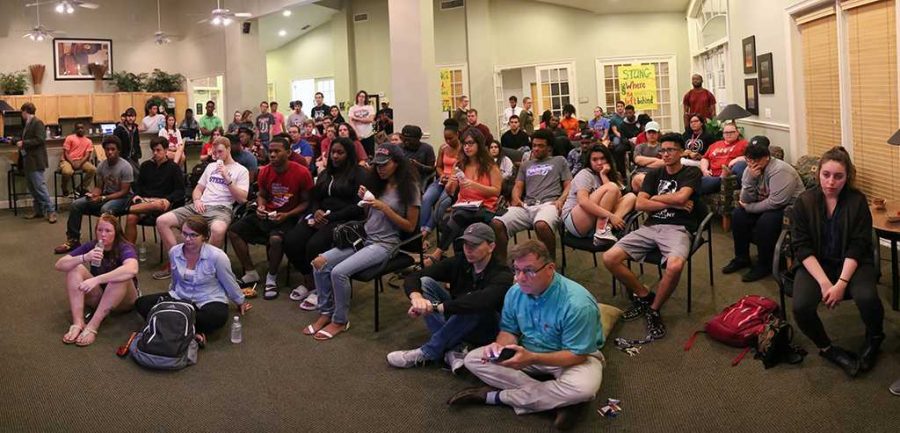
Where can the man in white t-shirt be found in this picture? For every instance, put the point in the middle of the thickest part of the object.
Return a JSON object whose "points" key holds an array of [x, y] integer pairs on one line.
{"points": [[153, 122], [512, 110], [222, 184]]}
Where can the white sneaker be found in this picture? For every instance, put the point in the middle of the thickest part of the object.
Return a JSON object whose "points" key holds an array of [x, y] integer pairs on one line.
{"points": [[311, 302], [250, 277], [300, 293], [406, 358], [605, 236], [456, 360]]}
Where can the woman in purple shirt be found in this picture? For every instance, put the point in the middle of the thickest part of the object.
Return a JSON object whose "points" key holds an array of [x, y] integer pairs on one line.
{"points": [[111, 286]]}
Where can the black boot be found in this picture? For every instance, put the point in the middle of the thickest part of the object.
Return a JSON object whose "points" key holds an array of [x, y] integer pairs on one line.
{"points": [[869, 351], [842, 358]]}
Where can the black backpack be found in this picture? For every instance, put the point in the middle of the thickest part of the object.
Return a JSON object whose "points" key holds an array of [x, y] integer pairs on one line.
{"points": [[774, 344], [167, 341]]}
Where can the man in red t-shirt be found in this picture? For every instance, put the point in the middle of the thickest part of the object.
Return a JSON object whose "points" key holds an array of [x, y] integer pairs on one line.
{"points": [[698, 100], [726, 152], [284, 191]]}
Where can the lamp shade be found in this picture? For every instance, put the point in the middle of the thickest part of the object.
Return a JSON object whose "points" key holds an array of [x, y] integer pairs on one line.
{"points": [[5, 107], [895, 139], [733, 111]]}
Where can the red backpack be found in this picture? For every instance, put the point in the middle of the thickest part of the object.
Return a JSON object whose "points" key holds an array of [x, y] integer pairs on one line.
{"points": [[739, 324]]}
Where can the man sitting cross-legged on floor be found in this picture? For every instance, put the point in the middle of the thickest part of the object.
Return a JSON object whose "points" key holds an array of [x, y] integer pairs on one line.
{"points": [[553, 326], [467, 311], [542, 186], [159, 186], [221, 185], [284, 188], [668, 195]]}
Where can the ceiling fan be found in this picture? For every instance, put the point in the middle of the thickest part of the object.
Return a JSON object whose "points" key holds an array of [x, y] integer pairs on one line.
{"points": [[66, 6], [223, 17], [39, 33], [160, 37]]}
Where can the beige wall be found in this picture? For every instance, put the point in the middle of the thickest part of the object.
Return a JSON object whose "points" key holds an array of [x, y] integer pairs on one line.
{"points": [[371, 43], [309, 56], [449, 35]]}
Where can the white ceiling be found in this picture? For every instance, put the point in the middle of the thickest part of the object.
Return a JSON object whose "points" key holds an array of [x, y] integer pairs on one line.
{"points": [[623, 6], [302, 15]]}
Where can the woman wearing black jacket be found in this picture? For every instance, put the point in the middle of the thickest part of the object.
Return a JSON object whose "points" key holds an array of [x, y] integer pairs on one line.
{"points": [[696, 139], [335, 193], [831, 234]]}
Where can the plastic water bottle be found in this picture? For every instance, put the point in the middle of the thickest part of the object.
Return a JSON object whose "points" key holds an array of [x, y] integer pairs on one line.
{"points": [[237, 332], [96, 263], [142, 253]]}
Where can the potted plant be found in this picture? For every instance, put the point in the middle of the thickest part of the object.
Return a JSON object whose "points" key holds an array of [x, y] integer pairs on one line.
{"points": [[163, 82], [14, 83], [128, 81]]}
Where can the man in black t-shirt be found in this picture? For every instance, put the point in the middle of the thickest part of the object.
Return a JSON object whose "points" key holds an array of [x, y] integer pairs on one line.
{"points": [[623, 135], [264, 123], [319, 111], [669, 196], [515, 137]]}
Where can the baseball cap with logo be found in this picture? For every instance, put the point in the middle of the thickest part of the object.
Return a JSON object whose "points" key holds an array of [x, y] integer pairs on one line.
{"points": [[385, 153], [760, 140], [652, 126], [478, 233]]}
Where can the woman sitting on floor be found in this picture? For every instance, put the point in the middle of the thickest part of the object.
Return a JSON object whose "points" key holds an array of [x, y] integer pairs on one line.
{"points": [[111, 286], [595, 205], [393, 207], [477, 181], [831, 236], [201, 275], [333, 202]]}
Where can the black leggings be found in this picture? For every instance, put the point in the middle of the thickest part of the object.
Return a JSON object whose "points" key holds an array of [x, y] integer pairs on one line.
{"points": [[303, 243], [808, 296], [210, 317]]}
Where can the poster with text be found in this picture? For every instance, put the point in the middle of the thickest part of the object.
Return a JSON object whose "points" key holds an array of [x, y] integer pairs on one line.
{"points": [[637, 86]]}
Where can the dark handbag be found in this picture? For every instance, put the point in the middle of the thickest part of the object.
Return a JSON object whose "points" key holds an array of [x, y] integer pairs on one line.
{"points": [[349, 235]]}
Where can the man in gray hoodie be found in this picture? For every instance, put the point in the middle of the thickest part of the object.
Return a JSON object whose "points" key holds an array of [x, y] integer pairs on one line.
{"points": [[769, 185]]}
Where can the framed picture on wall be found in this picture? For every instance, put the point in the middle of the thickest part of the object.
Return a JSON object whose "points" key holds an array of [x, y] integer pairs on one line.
{"points": [[749, 50], [766, 75], [751, 95], [71, 58]]}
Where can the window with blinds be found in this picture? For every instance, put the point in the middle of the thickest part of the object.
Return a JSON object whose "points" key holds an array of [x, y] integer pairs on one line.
{"points": [[820, 70], [873, 89]]}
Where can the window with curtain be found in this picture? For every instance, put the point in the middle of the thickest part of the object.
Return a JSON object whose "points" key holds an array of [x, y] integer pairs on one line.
{"points": [[872, 43], [822, 84]]}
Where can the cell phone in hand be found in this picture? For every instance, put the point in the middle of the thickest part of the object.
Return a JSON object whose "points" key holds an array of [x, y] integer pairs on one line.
{"points": [[504, 355]]}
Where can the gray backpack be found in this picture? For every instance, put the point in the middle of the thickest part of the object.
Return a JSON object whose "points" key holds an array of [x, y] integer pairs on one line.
{"points": [[167, 341]]}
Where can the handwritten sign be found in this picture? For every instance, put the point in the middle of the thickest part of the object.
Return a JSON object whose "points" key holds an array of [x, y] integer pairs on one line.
{"points": [[637, 86], [446, 90]]}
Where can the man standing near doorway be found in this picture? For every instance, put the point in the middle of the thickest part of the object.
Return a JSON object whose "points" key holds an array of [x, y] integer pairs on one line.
{"points": [[462, 109], [698, 100], [33, 151], [209, 121], [319, 112], [512, 110], [264, 123], [526, 116]]}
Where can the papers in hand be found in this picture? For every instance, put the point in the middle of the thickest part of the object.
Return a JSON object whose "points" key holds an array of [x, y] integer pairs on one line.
{"points": [[368, 197], [474, 204]]}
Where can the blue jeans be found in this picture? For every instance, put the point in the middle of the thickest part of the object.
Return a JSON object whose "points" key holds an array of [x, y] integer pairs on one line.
{"points": [[434, 192], [333, 280], [711, 184], [85, 206], [448, 333], [37, 187]]}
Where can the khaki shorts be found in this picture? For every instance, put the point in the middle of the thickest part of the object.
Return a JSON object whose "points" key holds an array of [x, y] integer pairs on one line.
{"points": [[518, 218], [671, 240], [213, 213]]}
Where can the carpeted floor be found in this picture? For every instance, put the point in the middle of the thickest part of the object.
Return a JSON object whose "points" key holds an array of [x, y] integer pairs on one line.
{"points": [[280, 380]]}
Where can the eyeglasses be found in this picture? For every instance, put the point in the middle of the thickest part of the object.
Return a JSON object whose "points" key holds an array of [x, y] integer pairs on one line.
{"points": [[729, 132], [668, 150], [469, 143], [529, 273], [190, 235]]}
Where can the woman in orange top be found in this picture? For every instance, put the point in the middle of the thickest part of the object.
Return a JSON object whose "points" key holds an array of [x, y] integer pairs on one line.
{"points": [[477, 180], [569, 122], [444, 167]]}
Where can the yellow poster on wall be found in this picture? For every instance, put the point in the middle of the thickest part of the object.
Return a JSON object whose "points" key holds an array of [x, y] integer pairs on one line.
{"points": [[637, 86], [446, 90]]}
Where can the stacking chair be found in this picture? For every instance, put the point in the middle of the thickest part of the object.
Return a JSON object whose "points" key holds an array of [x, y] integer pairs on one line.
{"points": [[587, 244]]}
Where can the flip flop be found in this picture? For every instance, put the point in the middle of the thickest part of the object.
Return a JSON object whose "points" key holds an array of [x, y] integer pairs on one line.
{"points": [[311, 330], [299, 293], [86, 331], [323, 335], [72, 340], [310, 303]]}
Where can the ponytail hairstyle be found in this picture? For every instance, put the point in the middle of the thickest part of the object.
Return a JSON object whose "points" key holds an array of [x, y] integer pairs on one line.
{"points": [[840, 155]]}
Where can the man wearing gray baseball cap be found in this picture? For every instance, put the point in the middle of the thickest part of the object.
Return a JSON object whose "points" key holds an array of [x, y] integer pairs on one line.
{"points": [[468, 311]]}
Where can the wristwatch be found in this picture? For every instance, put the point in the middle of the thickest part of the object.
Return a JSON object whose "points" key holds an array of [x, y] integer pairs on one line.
{"points": [[434, 305]]}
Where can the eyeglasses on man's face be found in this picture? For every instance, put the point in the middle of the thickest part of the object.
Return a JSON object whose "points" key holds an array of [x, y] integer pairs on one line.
{"points": [[528, 272]]}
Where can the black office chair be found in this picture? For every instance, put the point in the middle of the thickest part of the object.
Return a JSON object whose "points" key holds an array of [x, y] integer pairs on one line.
{"points": [[566, 239], [397, 261], [703, 235]]}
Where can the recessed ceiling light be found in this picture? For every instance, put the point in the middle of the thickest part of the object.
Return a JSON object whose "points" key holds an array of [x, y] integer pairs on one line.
{"points": [[287, 13], [282, 33]]}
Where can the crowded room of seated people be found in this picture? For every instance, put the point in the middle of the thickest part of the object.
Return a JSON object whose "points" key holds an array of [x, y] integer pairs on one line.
{"points": [[482, 215]]}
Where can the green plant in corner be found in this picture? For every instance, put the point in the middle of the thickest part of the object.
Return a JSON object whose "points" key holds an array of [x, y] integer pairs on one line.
{"points": [[128, 81], [161, 81], [14, 83]]}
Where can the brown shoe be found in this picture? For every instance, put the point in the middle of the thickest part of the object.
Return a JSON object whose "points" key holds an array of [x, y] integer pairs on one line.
{"points": [[52, 218], [69, 245], [474, 395], [33, 215]]}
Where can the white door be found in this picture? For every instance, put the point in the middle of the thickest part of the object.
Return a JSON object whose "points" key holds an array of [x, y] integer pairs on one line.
{"points": [[555, 88]]}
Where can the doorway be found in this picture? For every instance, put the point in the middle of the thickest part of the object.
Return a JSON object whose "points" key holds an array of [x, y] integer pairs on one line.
{"points": [[550, 86]]}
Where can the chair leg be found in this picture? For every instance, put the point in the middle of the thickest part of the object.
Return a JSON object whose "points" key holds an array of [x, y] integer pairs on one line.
{"points": [[56, 176], [689, 285], [614, 286], [377, 288], [11, 189], [711, 283]]}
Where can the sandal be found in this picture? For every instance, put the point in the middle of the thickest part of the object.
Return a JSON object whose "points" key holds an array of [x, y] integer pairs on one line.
{"points": [[310, 303], [299, 293], [73, 328], [312, 330], [270, 292], [323, 335], [85, 334]]}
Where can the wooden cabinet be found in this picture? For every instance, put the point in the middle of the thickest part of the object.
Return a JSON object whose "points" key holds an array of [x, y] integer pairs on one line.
{"points": [[104, 105], [47, 108], [181, 104], [123, 102], [75, 106]]}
